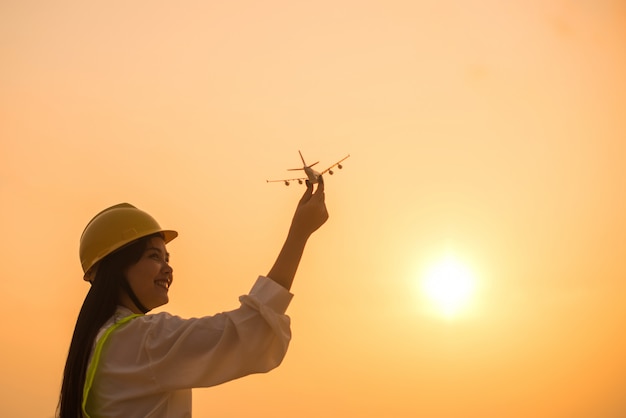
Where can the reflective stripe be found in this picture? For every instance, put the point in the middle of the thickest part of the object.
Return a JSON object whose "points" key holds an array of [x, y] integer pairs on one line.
{"points": [[95, 359]]}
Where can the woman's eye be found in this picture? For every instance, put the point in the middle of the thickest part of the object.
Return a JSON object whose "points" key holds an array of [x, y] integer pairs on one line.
{"points": [[155, 256]]}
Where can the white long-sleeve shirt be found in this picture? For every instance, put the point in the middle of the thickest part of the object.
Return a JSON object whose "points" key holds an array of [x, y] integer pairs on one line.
{"points": [[149, 365]]}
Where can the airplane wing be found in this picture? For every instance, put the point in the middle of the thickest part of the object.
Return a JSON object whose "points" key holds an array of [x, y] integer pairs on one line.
{"points": [[337, 164], [287, 181]]}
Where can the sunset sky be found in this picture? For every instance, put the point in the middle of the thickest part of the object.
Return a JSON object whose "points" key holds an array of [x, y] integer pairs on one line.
{"points": [[488, 132]]}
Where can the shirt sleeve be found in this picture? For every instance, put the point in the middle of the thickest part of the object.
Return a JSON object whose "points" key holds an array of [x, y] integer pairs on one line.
{"points": [[172, 353]]}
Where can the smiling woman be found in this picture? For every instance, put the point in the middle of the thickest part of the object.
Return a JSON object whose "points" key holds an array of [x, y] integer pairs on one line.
{"points": [[448, 286], [122, 362]]}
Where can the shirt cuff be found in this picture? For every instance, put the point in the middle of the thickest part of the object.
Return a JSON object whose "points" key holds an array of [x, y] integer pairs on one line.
{"points": [[271, 294]]}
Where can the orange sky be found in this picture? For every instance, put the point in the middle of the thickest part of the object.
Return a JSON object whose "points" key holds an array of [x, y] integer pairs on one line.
{"points": [[493, 130]]}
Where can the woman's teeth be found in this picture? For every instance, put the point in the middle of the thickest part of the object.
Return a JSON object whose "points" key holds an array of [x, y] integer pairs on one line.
{"points": [[163, 283]]}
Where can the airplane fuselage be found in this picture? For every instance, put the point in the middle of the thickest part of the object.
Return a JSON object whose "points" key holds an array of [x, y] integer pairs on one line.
{"points": [[312, 175]]}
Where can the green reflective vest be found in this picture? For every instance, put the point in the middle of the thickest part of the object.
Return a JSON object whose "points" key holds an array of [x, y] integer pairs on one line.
{"points": [[95, 359]]}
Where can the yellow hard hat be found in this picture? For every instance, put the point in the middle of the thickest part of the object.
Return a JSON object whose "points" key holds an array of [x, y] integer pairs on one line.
{"points": [[112, 229]]}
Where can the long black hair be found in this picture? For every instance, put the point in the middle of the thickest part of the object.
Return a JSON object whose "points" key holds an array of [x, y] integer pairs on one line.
{"points": [[99, 305]]}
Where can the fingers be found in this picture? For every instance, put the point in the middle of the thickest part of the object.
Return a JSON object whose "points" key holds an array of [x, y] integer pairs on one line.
{"points": [[307, 193], [320, 182], [319, 193]]}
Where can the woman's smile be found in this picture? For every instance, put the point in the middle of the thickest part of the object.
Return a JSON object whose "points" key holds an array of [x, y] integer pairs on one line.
{"points": [[164, 283]]}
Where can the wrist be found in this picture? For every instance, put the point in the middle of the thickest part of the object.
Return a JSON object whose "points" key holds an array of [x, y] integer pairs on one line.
{"points": [[296, 236]]}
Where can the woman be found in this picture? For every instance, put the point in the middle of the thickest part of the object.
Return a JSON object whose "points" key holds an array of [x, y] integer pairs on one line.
{"points": [[123, 363]]}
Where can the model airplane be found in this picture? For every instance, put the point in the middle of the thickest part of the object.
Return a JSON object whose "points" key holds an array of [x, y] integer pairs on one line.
{"points": [[311, 175]]}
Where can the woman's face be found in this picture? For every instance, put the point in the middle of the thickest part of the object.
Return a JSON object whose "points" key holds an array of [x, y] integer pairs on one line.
{"points": [[151, 277]]}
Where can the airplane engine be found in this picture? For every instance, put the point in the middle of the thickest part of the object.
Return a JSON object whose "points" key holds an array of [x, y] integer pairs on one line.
{"points": [[299, 181], [331, 172], [286, 183], [339, 166]]}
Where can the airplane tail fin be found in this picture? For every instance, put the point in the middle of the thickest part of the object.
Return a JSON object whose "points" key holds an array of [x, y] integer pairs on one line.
{"points": [[303, 163]]}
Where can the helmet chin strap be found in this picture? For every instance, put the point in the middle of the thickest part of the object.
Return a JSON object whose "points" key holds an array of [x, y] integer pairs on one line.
{"points": [[134, 297]]}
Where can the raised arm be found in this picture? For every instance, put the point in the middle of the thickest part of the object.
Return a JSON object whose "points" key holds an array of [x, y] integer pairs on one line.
{"points": [[310, 214]]}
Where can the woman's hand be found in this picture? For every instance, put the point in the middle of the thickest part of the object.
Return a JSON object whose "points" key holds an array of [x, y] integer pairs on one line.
{"points": [[311, 211], [310, 214]]}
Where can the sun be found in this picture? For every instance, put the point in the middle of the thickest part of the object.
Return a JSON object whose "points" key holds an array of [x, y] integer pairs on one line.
{"points": [[449, 286]]}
